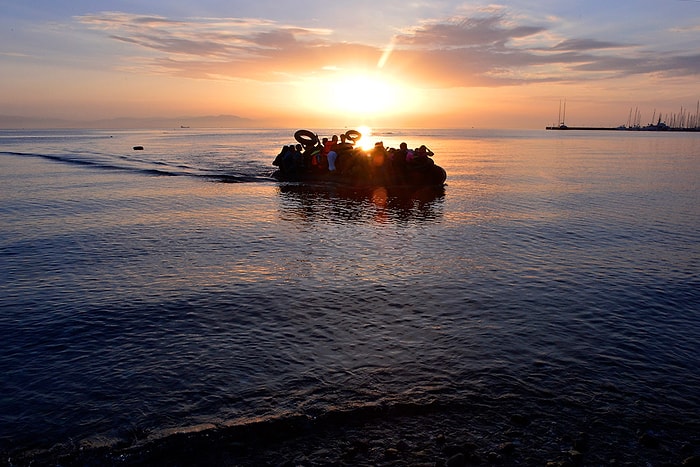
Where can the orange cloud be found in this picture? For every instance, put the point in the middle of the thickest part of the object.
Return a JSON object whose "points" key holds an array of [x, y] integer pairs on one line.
{"points": [[488, 49]]}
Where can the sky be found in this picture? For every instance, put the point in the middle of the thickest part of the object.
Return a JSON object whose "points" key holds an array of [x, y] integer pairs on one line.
{"points": [[325, 63]]}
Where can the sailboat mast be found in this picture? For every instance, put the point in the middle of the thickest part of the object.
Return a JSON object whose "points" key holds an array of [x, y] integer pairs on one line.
{"points": [[559, 115], [563, 118]]}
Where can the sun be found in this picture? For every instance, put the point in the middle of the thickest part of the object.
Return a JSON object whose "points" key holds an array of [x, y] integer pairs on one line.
{"points": [[364, 94]]}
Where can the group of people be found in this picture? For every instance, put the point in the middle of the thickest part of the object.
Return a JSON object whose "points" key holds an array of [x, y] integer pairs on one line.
{"points": [[341, 157]]}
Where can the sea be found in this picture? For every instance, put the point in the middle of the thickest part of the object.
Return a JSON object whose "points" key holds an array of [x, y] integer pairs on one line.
{"points": [[179, 287]]}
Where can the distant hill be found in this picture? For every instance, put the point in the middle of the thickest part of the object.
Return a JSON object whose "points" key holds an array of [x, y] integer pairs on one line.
{"points": [[214, 121], [14, 122]]}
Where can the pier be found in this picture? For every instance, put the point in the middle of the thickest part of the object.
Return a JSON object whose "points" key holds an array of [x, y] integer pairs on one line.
{"points": [[682, 121], [623, 128]]}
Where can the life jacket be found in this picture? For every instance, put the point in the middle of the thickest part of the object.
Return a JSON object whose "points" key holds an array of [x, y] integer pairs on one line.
{"points": [[327, 147]]}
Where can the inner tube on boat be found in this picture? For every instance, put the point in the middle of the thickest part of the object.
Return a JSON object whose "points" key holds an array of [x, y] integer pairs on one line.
{"points": [[439, 175], [306, 137], [353, 135]]}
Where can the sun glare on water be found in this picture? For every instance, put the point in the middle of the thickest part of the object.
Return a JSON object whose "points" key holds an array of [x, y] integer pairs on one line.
{"points": [[365, 142]]}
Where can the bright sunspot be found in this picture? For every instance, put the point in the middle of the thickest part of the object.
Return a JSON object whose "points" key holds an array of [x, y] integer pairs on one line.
{"points": [[364, 94], [365, 142]]}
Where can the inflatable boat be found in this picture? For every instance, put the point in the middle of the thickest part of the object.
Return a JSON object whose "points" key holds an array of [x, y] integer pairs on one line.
{"points": [[339, 160]]}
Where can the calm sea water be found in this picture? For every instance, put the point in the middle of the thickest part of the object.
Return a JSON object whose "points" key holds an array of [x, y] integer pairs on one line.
{"points": [[180, 286]]}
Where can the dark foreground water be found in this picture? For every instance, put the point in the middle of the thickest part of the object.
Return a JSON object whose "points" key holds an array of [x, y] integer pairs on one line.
{"points": [[555, 281]]}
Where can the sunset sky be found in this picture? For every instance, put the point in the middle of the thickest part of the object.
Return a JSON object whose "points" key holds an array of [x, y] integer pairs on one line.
{"points": [[436, 63]]}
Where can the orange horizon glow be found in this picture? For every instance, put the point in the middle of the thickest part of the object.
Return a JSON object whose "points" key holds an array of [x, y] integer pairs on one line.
{"points": [[343, 99], [325, 70]]}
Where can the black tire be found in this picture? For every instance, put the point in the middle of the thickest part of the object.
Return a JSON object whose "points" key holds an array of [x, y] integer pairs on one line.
{"points": [[306, 137], [439, 175], [353, 135]]}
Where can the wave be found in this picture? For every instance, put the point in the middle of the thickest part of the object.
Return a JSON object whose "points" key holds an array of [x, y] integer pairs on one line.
{"points": [[139, 445], [506, 430], [240, 178], [145, 167]]}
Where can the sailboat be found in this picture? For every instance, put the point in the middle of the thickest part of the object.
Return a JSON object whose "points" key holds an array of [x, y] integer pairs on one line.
{"points": [[561, 119]]}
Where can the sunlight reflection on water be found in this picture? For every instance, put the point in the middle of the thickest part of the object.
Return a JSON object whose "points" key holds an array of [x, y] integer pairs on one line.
{"points": [[548, 265]]}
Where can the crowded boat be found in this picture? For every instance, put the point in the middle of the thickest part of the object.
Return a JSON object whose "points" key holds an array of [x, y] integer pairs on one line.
{"points": [[340, 159]]}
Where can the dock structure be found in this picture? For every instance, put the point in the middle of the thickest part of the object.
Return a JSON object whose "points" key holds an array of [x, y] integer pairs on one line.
{"points": [[624, 128], [682, 121]]}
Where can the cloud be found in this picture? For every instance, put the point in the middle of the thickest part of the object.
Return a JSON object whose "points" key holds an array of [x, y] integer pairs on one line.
{"points": [[575, 45], [466, 32], [487, 48], [686, 29]]}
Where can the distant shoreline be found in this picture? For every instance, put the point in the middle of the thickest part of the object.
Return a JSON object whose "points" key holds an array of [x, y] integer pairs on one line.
{"points": [[10, 122]]}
